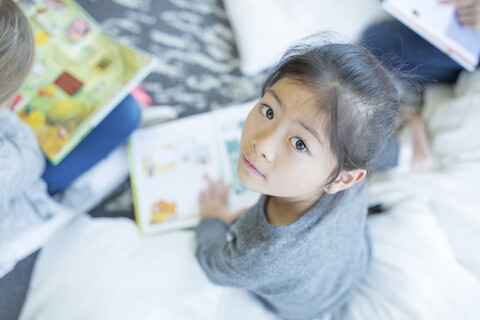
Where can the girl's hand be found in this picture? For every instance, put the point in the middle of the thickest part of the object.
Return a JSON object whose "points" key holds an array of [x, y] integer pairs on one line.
{"points": [[468, 12], [213, 202]]}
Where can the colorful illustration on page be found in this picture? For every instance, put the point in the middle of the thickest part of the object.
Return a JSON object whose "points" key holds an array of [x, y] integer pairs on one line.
{"points": [[233, 147], [162, 211]]}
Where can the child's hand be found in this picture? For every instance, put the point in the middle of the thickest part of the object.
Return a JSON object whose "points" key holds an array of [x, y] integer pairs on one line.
{"points": [[213, 202], [468, 12]]}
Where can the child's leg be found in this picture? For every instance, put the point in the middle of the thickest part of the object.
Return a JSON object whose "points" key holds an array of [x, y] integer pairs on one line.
{"points": [[420, 157], [110, 133], [400, 47]]}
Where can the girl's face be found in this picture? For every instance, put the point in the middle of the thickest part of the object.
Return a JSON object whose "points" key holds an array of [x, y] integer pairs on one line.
{"points": [[283, 150]]}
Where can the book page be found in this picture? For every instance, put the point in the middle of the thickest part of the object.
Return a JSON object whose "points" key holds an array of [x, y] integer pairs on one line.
{"points": [[439, 25], [78, 76], [168, 164], [229, 123]]}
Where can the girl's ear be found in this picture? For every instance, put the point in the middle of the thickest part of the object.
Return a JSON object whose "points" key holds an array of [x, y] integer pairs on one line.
{"points": [[345, 180]]}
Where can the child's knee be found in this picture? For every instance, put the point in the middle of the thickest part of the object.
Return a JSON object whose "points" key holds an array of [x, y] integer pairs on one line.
{"points": [[384, 36], [128, 114]]}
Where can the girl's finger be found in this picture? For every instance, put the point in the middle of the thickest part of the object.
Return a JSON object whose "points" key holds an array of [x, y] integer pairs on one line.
{"points": [[472, 12], [218, 184], [469, 21], [475, 26], [201, 197], [226, 193], [463, 5], [207, 190], [458, 3], [212, 189], [216, 188]]}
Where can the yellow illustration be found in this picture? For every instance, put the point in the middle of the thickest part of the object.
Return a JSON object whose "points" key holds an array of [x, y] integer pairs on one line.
{"points": [[34, 118], [52, 138], [54, 128], [150, 168], [67, 111], [153, 166], [41, 37], [48, 91], [161, 211]]}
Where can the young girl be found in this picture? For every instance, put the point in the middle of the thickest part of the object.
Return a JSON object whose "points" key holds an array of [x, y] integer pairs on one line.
{"points": [[326, 112]]}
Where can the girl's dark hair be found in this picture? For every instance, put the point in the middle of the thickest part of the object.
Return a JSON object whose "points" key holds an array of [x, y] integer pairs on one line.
{"points": [[16, 49], [353, 90]]}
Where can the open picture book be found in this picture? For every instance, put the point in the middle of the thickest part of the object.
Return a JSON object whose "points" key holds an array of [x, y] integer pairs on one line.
{"points": [[78, 76], [439, 25], [169, 161]]}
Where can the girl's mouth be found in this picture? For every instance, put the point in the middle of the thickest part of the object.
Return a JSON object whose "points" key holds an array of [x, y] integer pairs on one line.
{"points": [[251, 167]]}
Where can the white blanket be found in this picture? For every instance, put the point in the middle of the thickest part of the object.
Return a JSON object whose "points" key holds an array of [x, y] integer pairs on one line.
{"points": [[425, 248]]}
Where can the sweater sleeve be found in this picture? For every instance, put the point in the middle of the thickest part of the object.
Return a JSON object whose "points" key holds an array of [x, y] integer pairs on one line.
{"points": [[222, 260], [21, 161]]}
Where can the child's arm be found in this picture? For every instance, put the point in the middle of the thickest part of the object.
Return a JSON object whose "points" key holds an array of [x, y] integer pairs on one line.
{"points": [[224, 262], [21, 161]]}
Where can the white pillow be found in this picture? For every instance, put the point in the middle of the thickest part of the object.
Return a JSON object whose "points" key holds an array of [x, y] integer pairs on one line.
{"points": [[264, 29]]}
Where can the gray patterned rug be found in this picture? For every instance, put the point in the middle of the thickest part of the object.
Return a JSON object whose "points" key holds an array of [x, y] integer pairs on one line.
{"points": [[198, 67], [198, 62]]}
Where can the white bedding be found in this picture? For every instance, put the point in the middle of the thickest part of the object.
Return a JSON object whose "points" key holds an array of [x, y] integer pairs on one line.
{"points": [[425, 248]]}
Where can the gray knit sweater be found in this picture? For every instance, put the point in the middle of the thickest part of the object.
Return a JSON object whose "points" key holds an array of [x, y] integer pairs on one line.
{"points": [[300, 271], [28, 215]]}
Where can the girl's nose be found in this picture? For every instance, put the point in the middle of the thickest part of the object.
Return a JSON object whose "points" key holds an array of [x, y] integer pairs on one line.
{"points": [[264, 147]]}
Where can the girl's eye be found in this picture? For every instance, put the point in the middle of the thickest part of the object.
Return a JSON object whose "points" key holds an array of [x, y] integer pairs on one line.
{"points": [[267, 111], [298, 144]]}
